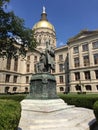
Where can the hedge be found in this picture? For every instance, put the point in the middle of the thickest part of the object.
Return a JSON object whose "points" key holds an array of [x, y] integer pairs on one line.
{"points": [[86, 101], [10, 112], [16, 97], [95, 108]]}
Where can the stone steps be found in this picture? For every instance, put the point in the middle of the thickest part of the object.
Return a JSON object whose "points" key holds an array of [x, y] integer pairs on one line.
{"points": [[68, 118]]}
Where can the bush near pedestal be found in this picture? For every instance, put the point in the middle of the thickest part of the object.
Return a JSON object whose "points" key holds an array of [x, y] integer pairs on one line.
{"points": [[95, 108], [10, 112]]}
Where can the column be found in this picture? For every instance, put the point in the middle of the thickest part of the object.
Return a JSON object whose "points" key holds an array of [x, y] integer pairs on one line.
{"points": [[71, 61], [72, 77], [80, 56], [82, 77], [12, 64], [92, 74], [11, 79], [91, 59]]}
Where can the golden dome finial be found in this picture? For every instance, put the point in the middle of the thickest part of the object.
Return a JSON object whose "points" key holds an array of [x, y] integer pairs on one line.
{"points": [[44, 9]]}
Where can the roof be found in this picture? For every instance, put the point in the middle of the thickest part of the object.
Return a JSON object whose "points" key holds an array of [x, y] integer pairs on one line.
{"points": [[82, 34]]}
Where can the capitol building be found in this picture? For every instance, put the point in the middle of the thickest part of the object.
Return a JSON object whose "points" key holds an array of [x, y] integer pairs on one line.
{"points": [[76, 63]]}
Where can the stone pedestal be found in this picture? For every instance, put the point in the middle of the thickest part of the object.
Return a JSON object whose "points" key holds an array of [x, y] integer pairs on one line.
{"points": [[43, 110], [42, 86], [44, 106]]}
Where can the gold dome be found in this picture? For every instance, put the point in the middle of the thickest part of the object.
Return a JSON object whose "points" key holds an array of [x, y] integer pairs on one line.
{"points": [[43, 24]]}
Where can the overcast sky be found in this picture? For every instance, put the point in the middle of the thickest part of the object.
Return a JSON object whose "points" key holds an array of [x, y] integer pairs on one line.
{"points": [[69, 17]]}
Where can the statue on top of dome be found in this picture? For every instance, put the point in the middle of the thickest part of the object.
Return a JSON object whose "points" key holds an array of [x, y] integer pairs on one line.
{"points": [[44, 9]]}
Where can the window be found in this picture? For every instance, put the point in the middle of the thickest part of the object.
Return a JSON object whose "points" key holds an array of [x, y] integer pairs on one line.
{"points": [[87, 75], [86, 60], [77, 76], [97, 87], [88, 87], [95, 44], [53, 71], [78, 87], [27, 79], [7, 89], [28, 58], [28, 67], [26, 89], [14, 89], [60, 67], [76, 62], [35, 68], [61, 89], [61, 79], [35, 58], [96, 73], [75, 49], [60, 57], [95, 58], [8, 65], [85, 47], [15, 64], [7, 79], [15, 79]]}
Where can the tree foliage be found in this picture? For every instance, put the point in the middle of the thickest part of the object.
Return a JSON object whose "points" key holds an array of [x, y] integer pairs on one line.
{"points": [[15, 38]]}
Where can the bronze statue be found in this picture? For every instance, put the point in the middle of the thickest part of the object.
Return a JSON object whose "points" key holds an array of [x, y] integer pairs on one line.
{"points": [[40, 66], [46, 61], [49, 52]]}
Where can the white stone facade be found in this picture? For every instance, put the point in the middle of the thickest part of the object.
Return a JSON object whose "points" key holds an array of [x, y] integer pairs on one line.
{"points": [[83, 62]]}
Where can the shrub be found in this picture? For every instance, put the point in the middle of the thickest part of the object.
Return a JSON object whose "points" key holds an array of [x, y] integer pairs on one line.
{"points": [[10, 112], [95, 108], [80, 100], [16, 97]]}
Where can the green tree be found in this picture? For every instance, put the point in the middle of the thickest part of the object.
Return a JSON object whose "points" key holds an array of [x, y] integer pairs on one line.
{"points": [[15, 38]]}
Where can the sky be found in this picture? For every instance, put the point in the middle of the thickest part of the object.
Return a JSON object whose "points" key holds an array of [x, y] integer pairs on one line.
{"points": [[68, 17]]}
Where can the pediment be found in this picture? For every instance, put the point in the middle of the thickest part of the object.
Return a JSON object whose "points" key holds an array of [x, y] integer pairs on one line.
{"points": [[83, 34]]}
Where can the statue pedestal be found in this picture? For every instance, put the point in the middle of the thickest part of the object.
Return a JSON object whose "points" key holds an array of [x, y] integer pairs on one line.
{"points": [[45, 106], [43, 110], [42, 86], [54, 114]]}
